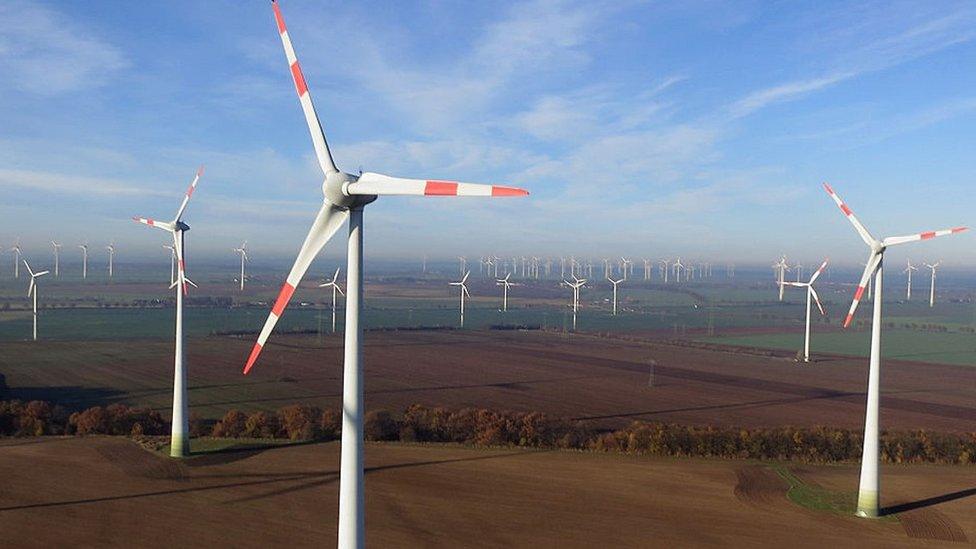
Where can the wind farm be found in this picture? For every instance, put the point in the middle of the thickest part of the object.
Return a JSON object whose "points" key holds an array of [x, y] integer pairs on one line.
{"points": [[634, 337]]}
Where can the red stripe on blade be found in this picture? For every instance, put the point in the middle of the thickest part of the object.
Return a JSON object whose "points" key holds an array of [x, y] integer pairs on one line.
{"points": [[441, 188], [960, 229], [252, 358], [283, 297], [847, 321], [859, 293], [189, 191], [845, 209], [928, 235], [507, 191], [829, 189], [296, 73], [278, 18]]}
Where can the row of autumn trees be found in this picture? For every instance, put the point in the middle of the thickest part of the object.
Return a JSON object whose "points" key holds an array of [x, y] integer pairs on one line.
{"points": [[481, 427]]}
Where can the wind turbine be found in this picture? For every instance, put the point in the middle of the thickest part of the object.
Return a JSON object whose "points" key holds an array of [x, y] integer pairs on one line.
{"points": [[932, 285], [909, 269], [811, 293], [243, 251], [615, 282], [17, 254], [505, 284], [111, 258], [678, 267], [179, 445], [84, 260], [57, 259], [335, 289], [462, 263], [624, 266], [868, 491], [345, 197], [172, 263], [781, 276], [464, 292], [575, 285], [666, 263], [32, 291]]}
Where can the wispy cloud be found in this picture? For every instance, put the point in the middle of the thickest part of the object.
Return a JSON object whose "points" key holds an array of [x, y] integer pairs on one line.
{"points": [[73, 185], [43, 51]]}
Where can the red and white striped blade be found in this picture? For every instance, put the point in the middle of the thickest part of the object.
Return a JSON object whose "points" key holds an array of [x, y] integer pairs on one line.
{"points": [[865, 235], [378, 184], [869, 269], [304, 97], [165, 225], [895, 240], [188, 194], [326, 223], [816, 298], [816, 275]]}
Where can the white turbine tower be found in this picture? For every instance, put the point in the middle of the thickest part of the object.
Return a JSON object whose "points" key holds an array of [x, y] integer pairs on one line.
{"points": [[932, 285], [84, 260], [17, 254], [111, 258], [334, 284], [868, 491], [811, 293], [464, 292], [345, 197], [180, 436], [505, 284], [615, 283], [243, 251], [908, 290], [57, 259], [32, 291], [172, 263]]}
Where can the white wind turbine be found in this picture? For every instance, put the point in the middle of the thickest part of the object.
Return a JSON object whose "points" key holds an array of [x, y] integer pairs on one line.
{"points": [[464, 292], [243, 251], [84, 260], [909, 269], [781, 267], [57, 259], [345, 196], [180, 435], [615, 283], [334, 284], [868, 490], [666, 263], [172, 263], [811, 293], [932, 285], [32, 291], [17, 255], [678, 267], [575, 285], [505, 284], [111, 258]]}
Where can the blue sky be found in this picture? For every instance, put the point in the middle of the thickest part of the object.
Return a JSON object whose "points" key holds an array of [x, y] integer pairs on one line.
{"points": [[643, 128]]}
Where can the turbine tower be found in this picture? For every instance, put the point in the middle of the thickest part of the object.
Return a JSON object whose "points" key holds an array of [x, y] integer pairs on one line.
{"points": [[505, 284], [868, 491], [909, 269], [335, 289], [811, 293], [932, 285], [111, 258], [57, 259], [32, 291], [666, 263], [464, 292], [84, 260], [243, 251], [345, 197], [179, 445], [172, 263], [17, 255], [615, 283]]}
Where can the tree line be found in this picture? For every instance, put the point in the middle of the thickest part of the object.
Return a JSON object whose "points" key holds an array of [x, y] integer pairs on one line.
{"points": [[494, 428]]}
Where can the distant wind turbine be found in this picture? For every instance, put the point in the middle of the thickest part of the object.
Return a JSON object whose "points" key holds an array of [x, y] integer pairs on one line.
{"points": [[615, 283], [505, 284], [32, 291], [57, 259], [243, 251], [334, 284], [908, 290], [463, 291], [932, 285], [84, 260], [811, 293]]}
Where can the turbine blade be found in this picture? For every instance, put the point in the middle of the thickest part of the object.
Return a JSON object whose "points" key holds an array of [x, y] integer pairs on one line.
{"points": [[817, 299], [305, 98], [465, 279], [326, 223], [377, 184], [26, 264], [895, 240], [868, 272], [188, 194], [30, 287], [42, 273], [816, 275], [865, 235]]}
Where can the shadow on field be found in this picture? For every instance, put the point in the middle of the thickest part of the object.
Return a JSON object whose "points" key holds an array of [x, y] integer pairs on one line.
{"points": [[927, 502], [71, 396], [306, 479]]}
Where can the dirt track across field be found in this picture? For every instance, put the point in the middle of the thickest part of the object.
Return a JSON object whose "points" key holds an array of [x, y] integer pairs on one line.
{"points": [[110, 493]]}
